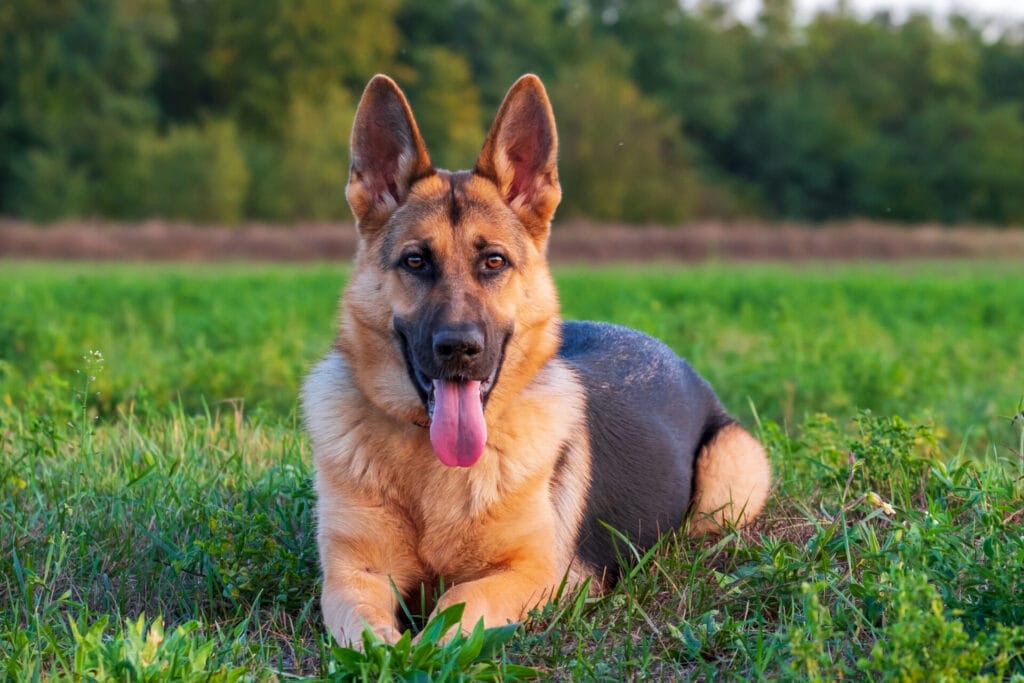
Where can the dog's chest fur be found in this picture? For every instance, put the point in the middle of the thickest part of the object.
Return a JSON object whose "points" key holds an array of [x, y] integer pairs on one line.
{"points": [[369, 465]]}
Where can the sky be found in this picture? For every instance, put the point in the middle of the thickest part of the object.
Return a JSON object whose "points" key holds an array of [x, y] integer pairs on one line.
{"points": [[1002, 10]]}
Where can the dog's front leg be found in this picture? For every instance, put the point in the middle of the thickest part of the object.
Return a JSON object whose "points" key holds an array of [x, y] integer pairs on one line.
{"points": [[365, 567], [355, 600]]}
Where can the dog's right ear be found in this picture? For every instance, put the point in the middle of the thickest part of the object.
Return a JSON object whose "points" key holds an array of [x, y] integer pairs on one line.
{"points": [[388, 155]]}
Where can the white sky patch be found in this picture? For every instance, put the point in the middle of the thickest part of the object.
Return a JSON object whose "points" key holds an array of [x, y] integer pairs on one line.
{"points": [[1005, 12]]}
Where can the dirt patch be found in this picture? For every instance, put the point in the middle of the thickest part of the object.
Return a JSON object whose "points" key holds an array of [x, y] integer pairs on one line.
{"points": [[783, 242], [572, 241]]}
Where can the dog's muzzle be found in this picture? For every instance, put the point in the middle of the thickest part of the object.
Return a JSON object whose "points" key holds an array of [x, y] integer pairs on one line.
{"points": [[454, 376]]}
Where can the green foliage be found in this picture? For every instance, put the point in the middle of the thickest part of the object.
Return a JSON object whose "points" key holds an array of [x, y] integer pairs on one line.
{"points": [[920, 639], [48, 187], [260, 548], [500, 39], [190, 173], [432, 656], [619, 153], [303, 177], [922, 642], [997, 145], [839, 117], [809, 641], [447, 106], [249, 62], [74, 94], [687, 60], [145, 653]]}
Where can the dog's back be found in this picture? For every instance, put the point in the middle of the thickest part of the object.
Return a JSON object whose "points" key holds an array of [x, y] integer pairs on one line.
{"points": [[651, 420]]}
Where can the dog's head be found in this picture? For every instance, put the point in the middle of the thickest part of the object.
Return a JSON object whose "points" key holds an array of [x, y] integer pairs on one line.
{"points": [[451, 308]]}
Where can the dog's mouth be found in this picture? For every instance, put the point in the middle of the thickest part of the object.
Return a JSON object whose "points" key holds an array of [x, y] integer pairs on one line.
{"points": [[455, 408], [431, 387]]}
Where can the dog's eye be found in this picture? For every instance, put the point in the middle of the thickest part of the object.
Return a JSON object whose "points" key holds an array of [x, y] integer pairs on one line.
{"points": [[494, 262], [414, 262]]}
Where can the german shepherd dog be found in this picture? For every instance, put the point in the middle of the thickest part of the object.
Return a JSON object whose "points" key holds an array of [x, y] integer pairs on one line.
{"points": [[464, 435]]}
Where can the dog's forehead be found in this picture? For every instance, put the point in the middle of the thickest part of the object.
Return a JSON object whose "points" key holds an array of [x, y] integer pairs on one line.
{"points": [[454, 208]]}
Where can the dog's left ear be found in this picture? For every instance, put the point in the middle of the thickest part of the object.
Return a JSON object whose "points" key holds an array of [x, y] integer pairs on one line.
{"points": [[520, 155]]}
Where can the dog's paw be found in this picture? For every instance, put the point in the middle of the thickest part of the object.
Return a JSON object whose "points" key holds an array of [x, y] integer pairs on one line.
{"points": [[384, 633], [388, 634]]}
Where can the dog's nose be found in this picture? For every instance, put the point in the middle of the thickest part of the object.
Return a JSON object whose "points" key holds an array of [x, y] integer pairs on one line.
{"points": [[458, 342]]}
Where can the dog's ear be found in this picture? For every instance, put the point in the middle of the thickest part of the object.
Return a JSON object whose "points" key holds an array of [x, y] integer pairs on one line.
{"points": [[387, 152], [520, 155]]}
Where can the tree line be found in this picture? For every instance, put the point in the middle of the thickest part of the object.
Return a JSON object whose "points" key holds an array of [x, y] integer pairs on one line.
{"points": [[224, 110]]}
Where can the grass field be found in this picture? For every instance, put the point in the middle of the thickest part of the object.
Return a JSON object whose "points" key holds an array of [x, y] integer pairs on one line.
{"points": [[156, 510]]}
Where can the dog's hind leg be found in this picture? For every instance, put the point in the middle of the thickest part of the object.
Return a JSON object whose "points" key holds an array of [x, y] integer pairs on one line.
{"points": [[732, 479]]}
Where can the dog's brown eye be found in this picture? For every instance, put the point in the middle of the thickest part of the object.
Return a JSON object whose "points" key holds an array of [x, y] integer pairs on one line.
{"points": [[495, 262], [414, 262]]}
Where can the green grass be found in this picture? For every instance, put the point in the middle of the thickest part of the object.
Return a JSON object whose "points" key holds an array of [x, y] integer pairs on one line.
{"points": [[156, 508]]}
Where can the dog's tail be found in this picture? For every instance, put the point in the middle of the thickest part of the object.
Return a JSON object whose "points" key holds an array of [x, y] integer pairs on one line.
{"points": [[732, 479]]}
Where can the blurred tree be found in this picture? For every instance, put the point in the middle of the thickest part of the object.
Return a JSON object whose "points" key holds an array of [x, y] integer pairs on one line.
{"points": [[620, 154], [691, 62], [499, 39], [447, 105], [303, 176], [667, 109], [997, 167], [1002, 68], [193, 173], [248, 60], [74, 92], [797, 156], [47, 186]]}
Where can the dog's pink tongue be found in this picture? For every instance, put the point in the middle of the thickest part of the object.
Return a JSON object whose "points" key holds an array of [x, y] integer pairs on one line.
{"points": [[457, 429]]}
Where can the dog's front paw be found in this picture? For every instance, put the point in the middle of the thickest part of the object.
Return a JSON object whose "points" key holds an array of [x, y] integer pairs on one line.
{"points": [[347, 623], [385, 633], [476, 607]]}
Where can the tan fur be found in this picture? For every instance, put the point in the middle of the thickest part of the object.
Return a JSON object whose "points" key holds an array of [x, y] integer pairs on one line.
{"points": [[732, 480]]}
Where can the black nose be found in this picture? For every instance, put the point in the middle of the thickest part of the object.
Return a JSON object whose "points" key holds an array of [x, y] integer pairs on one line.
{"points": [[461, 342]]}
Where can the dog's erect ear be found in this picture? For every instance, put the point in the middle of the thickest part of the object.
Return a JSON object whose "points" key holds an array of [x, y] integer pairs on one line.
{"points": [[520, 155], [388, 154]]}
